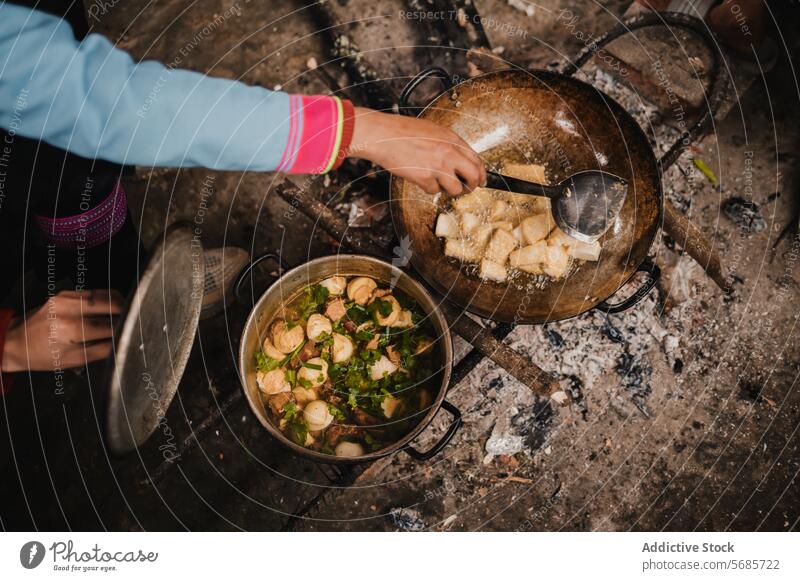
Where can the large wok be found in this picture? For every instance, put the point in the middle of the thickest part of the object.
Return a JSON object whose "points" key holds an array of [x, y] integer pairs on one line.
{"points": [[568, 126]]}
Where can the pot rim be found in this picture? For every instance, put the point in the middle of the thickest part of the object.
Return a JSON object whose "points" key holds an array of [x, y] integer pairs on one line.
{"points": [[439, 322]]}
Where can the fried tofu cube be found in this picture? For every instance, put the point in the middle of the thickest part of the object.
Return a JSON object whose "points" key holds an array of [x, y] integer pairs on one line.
{"points": [[529, 255], [536, 227], [492, 271], [462, 249], [480, 237], [532, 268], [500, 211], [476, 201], [525, 171], [557, 261], [447, 226], [507, 226], [523, 205], [585, 250], [560, 238], [470, 221], [541, 205], [500, 246], [575, 248]]}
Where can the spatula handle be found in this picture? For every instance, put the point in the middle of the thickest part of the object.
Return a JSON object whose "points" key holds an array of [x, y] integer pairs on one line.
{"points": [[498, 181]]}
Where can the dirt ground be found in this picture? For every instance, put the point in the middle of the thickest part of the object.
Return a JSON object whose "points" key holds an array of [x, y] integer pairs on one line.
{"points": [[685, 410]]}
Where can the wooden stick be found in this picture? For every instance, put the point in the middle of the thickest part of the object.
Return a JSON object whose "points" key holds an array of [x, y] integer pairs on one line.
{"points": [[696, 245]]}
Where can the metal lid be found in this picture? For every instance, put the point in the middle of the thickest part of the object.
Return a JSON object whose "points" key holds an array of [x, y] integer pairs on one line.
{"points": [[155, 339]]}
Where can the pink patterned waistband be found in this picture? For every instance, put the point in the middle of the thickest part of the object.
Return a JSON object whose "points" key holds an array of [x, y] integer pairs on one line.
{"points": [[89, 229]]}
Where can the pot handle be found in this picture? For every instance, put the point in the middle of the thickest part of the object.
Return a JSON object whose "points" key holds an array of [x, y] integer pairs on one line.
{"points": [[438, 72], [248, 269], [653, 273], [439, 446]]}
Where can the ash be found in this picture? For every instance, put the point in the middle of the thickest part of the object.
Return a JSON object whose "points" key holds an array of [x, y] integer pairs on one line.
{"points": [[581, 351], [407, 519]]}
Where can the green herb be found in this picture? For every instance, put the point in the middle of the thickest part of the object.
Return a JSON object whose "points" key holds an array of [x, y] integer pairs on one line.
{"points": [[291, 377], [290, 410], [264, 362], [379, 306], [314, 297], [354, 379], [305, 383], [291, 355], [311, 366], [336, 413], [297, 430], [352, 399], [325, 341], [370, 356], [337, 371], [358, 314], [364, 335]]}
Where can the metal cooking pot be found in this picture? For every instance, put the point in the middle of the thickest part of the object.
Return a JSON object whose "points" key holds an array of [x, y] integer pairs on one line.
{"points": [[568, 126], [286, 288]]}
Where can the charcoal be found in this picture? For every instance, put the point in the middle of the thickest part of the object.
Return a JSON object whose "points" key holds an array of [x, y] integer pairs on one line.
{"points": [[745, 214]]}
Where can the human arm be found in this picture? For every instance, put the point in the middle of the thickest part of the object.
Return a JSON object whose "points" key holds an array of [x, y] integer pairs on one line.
{"points": [[92, 99]]}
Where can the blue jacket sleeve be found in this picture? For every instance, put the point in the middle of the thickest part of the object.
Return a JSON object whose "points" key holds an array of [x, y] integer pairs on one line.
{"points": [[94, 100]]}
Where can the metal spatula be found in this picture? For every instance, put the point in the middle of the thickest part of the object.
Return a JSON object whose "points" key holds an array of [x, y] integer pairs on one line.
{"points": [[584, 205]]}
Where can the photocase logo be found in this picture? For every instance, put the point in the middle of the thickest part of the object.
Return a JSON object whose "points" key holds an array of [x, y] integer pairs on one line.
{"points": [[31, 554], [402, 256]]}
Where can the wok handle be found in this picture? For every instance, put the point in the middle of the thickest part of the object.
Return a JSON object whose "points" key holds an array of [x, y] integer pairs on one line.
{"points": [[245, 273], [715, 93], [439, 446], [504, 183], [422, 76], [653, 274]]}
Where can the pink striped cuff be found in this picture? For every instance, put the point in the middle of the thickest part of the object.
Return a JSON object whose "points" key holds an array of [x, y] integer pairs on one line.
{"points": [[90, 229], [315, 134]]}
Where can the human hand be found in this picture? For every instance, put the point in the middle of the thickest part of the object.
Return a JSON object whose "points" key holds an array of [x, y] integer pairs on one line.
{"points": [[70, 330], [427, 154]]}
